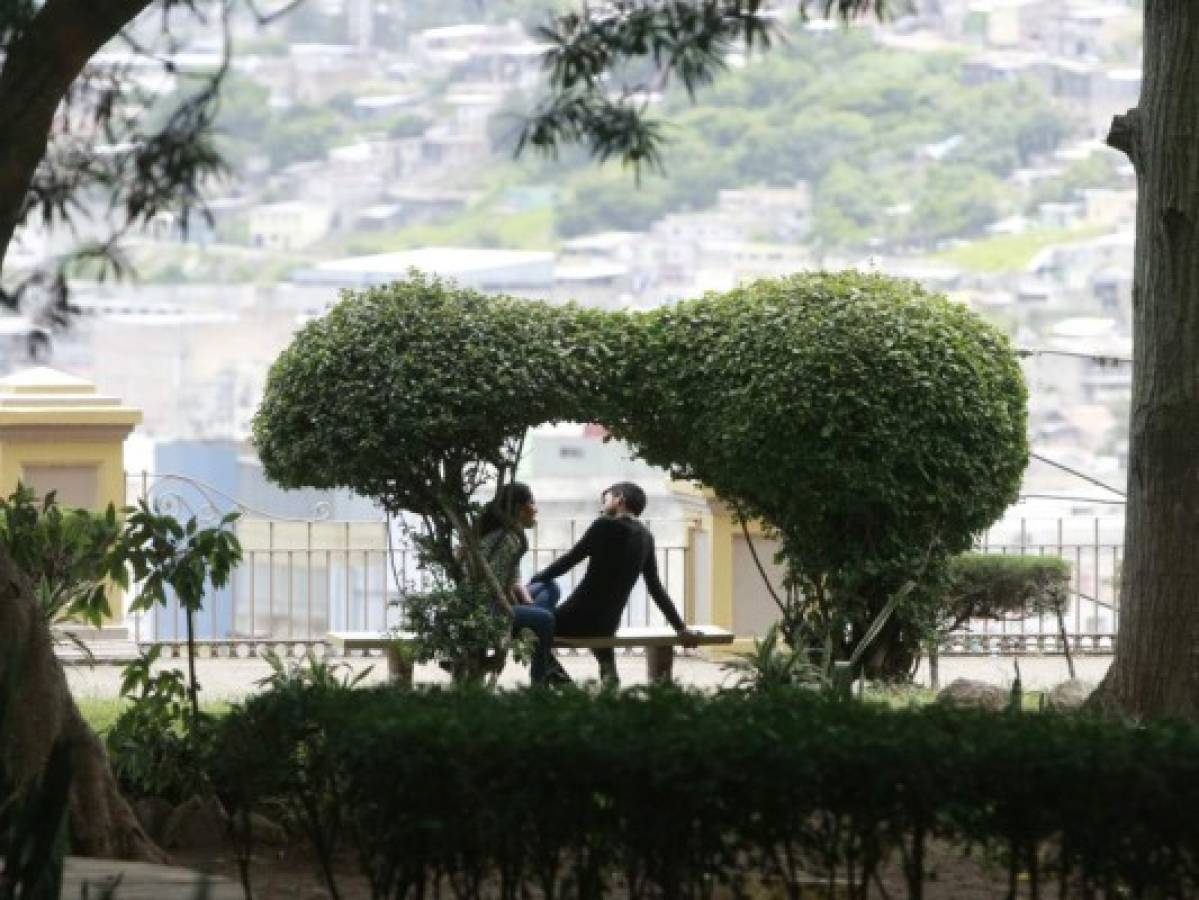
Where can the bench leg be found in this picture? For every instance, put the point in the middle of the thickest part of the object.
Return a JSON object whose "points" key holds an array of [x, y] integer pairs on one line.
{"points": [[659, 662], [399, 667]]}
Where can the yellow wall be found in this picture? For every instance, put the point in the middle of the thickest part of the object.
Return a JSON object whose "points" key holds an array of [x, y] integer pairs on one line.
{"points": [[729, 591], [108, 459], [52, 420]]}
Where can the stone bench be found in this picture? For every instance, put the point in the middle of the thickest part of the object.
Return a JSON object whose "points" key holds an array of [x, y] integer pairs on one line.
{"points": [[658, 643], [399, 663]]}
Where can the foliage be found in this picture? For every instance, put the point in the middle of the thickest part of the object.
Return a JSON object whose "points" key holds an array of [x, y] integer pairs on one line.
{"points": [[169, 558], [666, 793], [456, 623], [62, 552], [487, 224], [864, 144], [154, 744], [157, 744], [311, 671], [769, 667], [1011, 252], [873, 426], [416, 393], [994, 586], [1098, 170], [80, 140], [274, 752]]}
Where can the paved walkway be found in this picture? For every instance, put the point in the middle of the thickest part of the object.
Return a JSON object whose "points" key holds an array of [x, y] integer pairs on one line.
{"points": [[90, 878], [230, 679]]}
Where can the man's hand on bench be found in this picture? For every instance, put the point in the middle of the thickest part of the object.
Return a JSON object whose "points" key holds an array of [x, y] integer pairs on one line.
{"points": [[689, 638]]}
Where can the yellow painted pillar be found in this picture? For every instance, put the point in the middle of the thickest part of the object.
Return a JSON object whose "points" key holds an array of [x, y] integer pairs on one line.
{"points": [[714, 569], [712, 578], [722, 566], [58, 434]]}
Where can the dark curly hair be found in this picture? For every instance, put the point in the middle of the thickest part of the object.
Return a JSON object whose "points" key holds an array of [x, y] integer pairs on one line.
{"points": [[501, 511]]}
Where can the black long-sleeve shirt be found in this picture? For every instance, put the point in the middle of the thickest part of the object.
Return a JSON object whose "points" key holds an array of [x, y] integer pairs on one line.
{"points": [[619, 551]]}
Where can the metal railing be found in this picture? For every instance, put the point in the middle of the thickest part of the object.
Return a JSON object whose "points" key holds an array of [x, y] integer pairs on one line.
{"points": [[291, 597], [1092, 616], [304, 576]]}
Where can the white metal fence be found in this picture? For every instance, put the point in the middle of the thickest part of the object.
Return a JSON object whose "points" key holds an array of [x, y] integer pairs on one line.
{"points": [[305, 576]]}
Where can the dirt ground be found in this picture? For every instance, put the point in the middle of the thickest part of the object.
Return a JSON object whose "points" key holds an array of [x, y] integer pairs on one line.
{"points": [[291, 874]]}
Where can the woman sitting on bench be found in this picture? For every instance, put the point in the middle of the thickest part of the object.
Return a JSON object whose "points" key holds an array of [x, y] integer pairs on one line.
{"points": [[502, 542]]}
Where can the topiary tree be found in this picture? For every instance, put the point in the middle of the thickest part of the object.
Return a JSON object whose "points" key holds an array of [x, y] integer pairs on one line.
{"points": [[873, 426], [999, 588], [416, 395]]}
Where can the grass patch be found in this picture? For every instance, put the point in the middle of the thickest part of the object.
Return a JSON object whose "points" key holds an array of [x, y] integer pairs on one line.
{"points": [[101, 712], [1011, 252]]}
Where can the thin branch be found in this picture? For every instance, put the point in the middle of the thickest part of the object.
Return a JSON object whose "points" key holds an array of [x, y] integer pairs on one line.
{"points": [[266, 18], [761, 569], [1124, 134]]}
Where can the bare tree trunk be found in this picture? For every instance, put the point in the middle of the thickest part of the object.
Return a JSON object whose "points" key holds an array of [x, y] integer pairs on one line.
{"points": [[102, 824], [1156, 668]]}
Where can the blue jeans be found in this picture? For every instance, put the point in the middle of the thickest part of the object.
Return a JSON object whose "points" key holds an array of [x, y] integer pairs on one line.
{"points": [[545, 594], [541, 623]]}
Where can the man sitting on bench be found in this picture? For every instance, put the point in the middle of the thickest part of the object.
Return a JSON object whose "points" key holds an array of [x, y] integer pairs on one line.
{"points": [[619, 549]]}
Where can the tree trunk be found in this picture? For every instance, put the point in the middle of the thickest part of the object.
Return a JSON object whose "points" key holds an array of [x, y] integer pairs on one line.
{"points": [[1156, 667], [39, 66], [102, 824]]}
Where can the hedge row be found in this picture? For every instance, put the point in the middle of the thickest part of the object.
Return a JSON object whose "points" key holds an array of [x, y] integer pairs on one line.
{"points": [[662, 793]]}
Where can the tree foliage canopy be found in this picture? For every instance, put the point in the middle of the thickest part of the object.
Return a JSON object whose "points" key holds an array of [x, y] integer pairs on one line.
{"points": [[871, 424], [860, 416], [407, 393], [605, 62]]}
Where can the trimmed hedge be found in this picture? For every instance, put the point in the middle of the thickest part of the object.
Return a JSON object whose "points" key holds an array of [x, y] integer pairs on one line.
{"points": [[666, 793], [995, 586], [872, 426]]}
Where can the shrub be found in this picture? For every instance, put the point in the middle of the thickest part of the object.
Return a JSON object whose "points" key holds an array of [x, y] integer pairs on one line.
{"points": [[153, 742], [667, 793], [272, 752], [873, 426], [62, 552], [994, 586]]}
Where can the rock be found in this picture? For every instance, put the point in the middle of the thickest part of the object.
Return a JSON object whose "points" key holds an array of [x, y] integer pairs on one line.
{"points": [[976, 694], [1070, 694], [152, 813], [266, 831], [196, 824]]}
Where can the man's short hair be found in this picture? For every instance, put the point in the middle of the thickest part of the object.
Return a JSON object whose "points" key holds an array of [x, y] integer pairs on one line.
{"points": [[633, 496]]}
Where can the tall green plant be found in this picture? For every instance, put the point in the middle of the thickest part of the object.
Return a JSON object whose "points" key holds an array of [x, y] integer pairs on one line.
{"points": [[167, 557], [155, 742], [419, 394]]}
